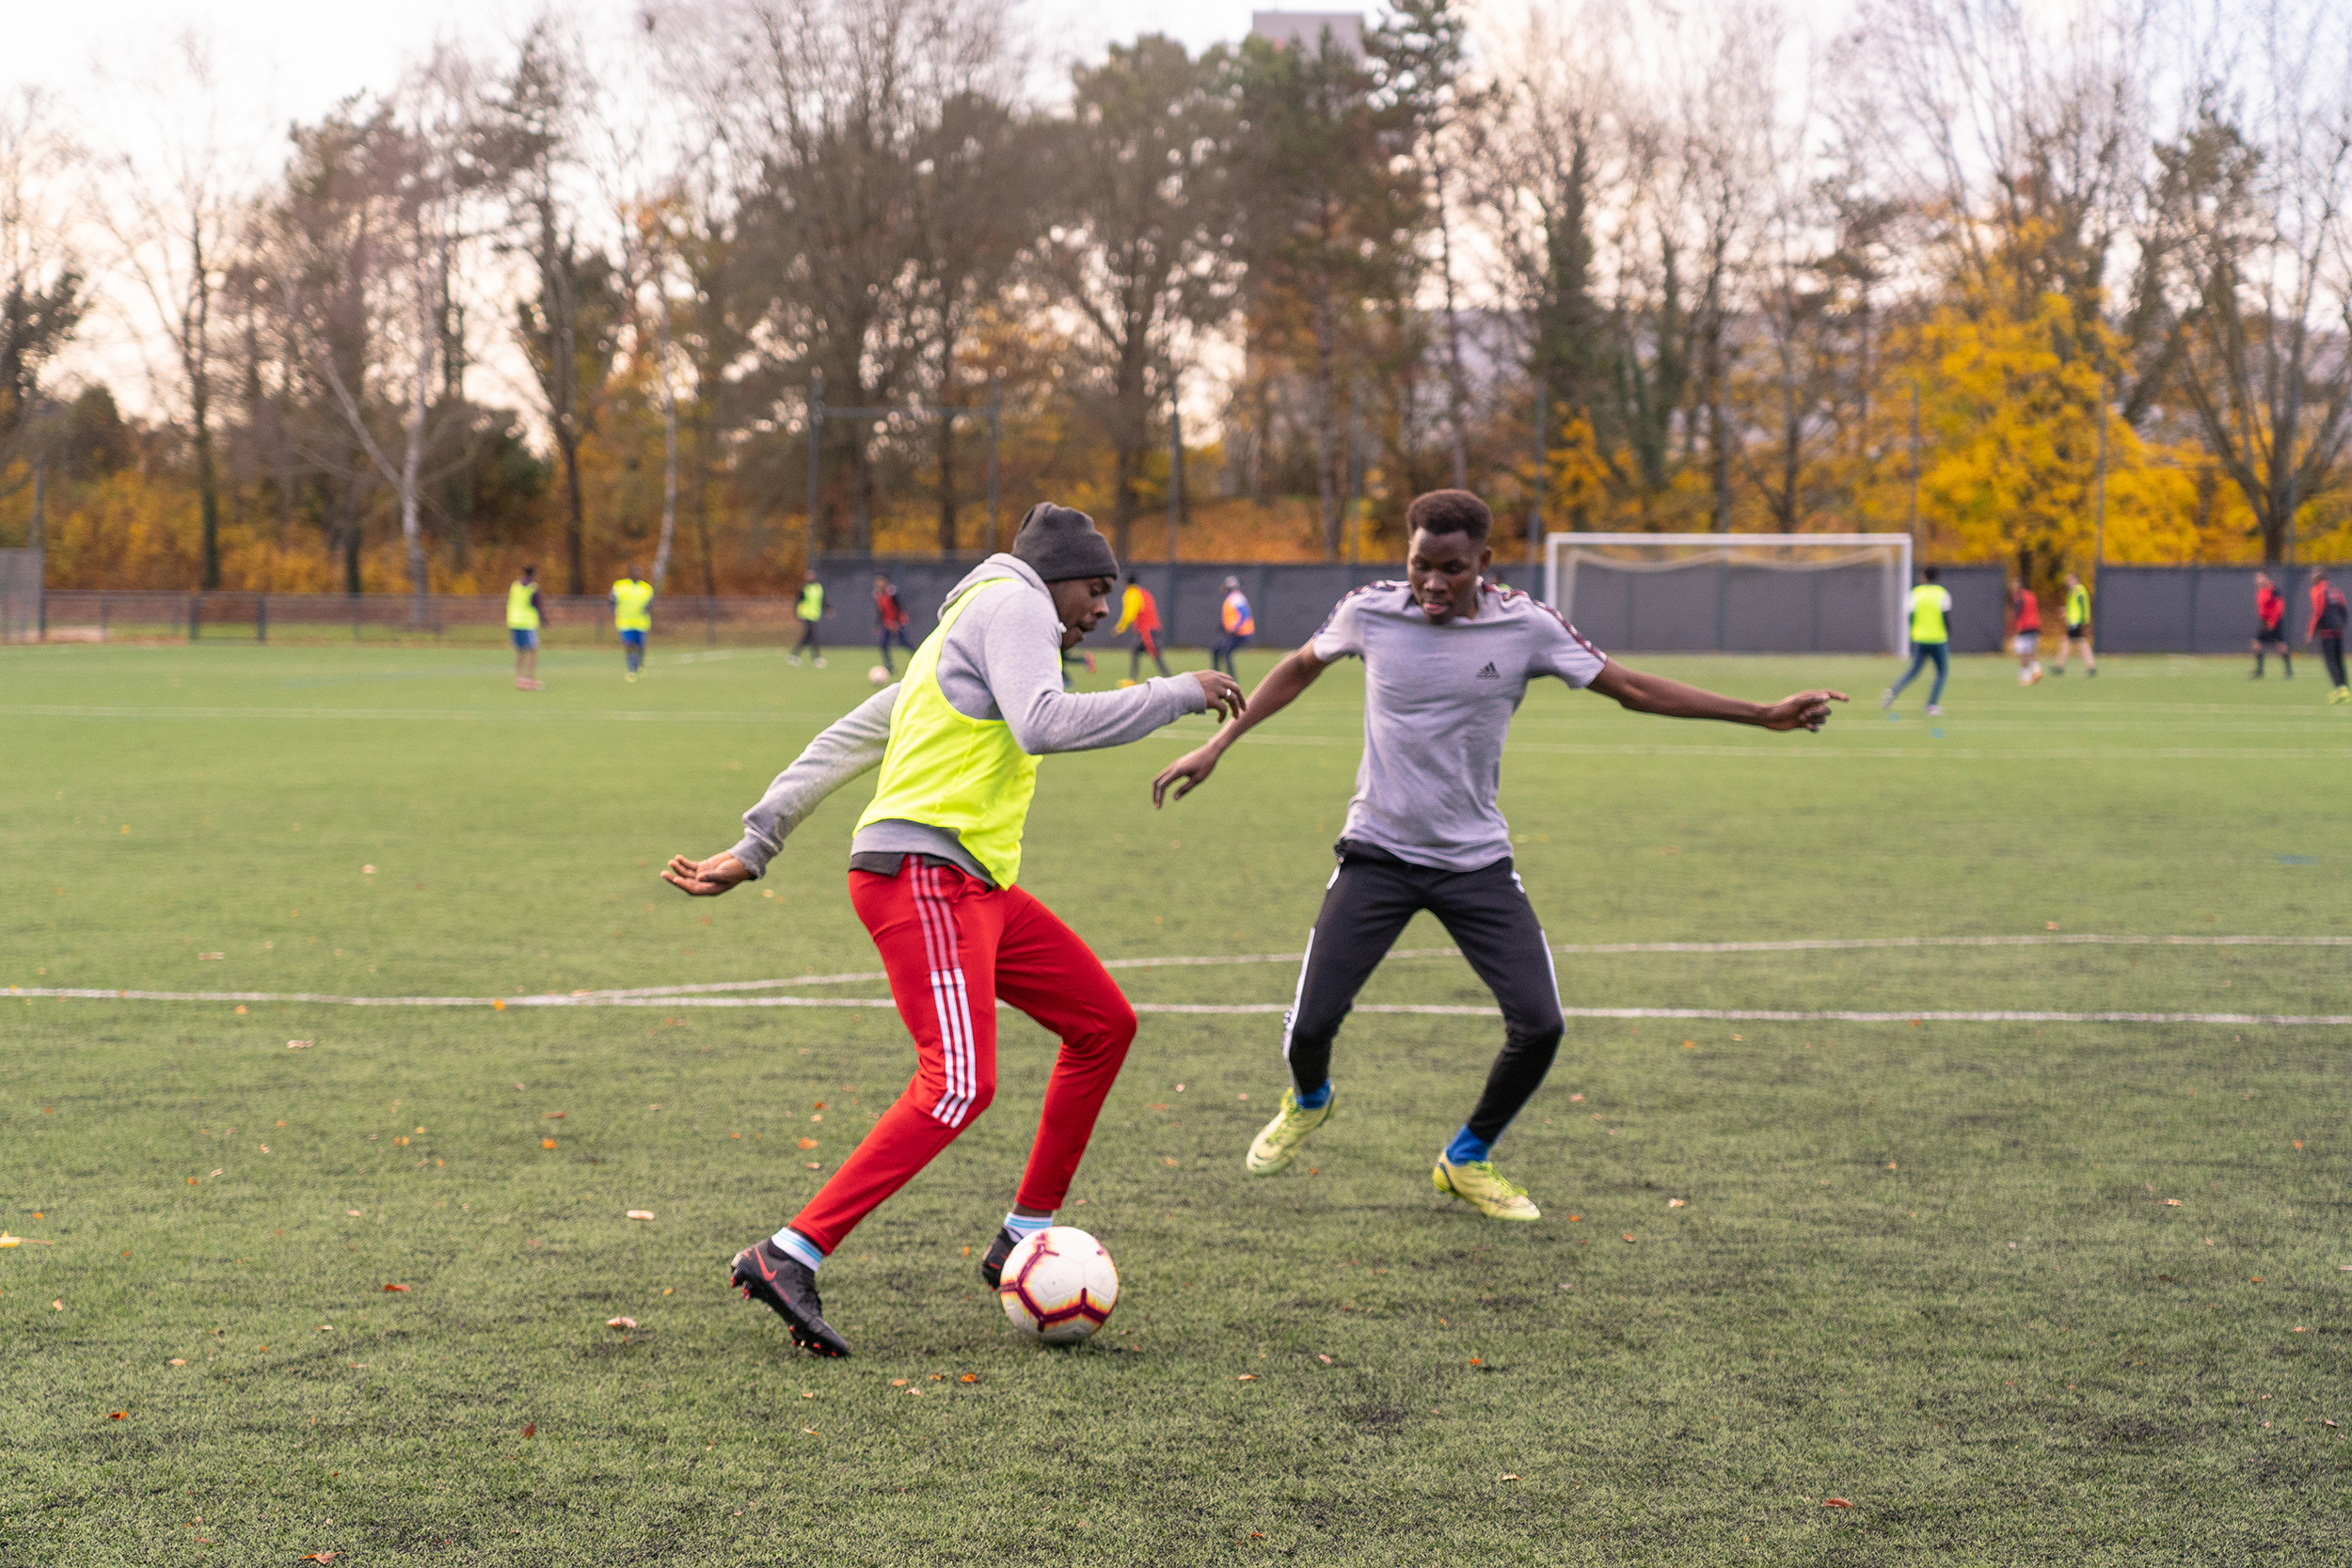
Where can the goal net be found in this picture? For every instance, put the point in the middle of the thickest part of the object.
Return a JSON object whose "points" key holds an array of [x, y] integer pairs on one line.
{"points": [[1732, 593], [20, 596]]}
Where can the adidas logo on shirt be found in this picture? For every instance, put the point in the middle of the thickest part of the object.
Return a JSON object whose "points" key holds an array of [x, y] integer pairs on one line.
{"points": [[1489, 672]]}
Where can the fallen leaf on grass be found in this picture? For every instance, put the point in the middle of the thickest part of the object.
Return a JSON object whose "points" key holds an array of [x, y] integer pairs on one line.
{"points": [[620, 1323], [1325, 1360], [1247, 1377], [969, 1377], [352, 1213], [1576, 1099], [1476, 1362], [556, 1116], [640, 1214], [1675, 1203], [808, 1143], [1836, 1503], [300, 1045], [2172, 1203], [809, 1430], [208, 957], [57, 1305], [547, 1142], [1629, 1235], [316, 1557], [177, 1361], [367, 871], [1508, 1476], [531, 1429], [117, 1414], [240, 1007], [396, 1287]]}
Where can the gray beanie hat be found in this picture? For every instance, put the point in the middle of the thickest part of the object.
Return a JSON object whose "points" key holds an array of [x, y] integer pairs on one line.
{"points": [[1060, 543]]}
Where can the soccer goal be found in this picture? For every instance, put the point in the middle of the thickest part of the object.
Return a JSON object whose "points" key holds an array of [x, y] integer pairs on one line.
{"points": [[1732, 593], [20, 596]]}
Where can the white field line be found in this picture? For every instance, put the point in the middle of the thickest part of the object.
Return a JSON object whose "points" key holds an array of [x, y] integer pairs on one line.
{"points": [[717, 993]]}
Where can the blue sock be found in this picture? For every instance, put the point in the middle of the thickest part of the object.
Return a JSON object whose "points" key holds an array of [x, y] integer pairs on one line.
{"points": [[801, 1247], [1025, 1226], [1314, 1099], [1468, 1147]]}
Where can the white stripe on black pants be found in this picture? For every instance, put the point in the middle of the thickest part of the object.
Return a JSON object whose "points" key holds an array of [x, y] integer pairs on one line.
{"points": [[1365, 908]]}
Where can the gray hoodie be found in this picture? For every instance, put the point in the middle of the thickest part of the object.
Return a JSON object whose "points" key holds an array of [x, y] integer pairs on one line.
{"points": [[1002, 662]]}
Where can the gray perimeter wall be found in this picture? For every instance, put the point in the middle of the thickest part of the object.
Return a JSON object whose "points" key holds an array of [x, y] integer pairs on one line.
{"points": [[2190, 609]]}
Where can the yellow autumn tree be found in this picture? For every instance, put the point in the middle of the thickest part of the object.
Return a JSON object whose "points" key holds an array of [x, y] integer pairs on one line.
{"points": [[2011, 407]]}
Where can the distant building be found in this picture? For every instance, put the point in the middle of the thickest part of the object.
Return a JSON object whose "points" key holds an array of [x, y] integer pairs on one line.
{"points": [[1305, 29]]}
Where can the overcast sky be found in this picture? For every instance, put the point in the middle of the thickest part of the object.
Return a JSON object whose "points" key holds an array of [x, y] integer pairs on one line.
{"points": [[281, 61]]}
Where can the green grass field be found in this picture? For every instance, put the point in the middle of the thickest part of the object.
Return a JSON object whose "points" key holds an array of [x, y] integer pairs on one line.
{"points": [[2019, 1292]]}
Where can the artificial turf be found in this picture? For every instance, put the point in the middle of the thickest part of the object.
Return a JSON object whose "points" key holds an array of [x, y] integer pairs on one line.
{"points": [[2016, 1291]]}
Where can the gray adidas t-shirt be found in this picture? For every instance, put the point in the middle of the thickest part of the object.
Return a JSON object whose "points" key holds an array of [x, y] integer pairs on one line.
{"points": [[1437, 702]]}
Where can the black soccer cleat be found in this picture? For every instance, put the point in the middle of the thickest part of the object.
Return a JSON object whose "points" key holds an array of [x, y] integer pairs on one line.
{"points": [[992, 1261], [769, 1275]]}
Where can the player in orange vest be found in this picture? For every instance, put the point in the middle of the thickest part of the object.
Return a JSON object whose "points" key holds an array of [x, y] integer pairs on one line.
{"points": [[1240, 626]]}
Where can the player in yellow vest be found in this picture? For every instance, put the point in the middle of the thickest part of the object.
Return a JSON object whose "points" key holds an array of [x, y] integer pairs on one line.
{"points": [[2077, 627], [933, 870], [523, 614], [1930, 641], [811, 610], [632, 616]]}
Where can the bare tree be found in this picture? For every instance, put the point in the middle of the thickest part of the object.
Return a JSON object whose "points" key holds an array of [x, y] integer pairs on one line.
{"points": [[171, 211], [2253, 202], [1135, 241]]}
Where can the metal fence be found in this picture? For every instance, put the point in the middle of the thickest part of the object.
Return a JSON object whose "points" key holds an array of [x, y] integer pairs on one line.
{"points": [[2190, 609], [2183, 609]]}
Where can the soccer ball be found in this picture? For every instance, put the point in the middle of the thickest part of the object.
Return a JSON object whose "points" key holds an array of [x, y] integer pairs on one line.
{"points": [[878, 676], [1058, 1285]]}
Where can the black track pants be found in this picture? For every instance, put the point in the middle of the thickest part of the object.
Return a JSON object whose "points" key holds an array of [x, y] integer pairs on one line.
{"points": [[1370, 898], [2331, 650]]}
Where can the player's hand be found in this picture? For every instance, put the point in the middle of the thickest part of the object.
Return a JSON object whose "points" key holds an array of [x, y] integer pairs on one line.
{"points": [[1806, 711], [1193, 768], [705, 878], [1225, 698]]}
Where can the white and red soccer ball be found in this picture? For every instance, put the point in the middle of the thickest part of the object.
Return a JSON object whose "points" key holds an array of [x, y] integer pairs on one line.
{"points": [[1058, 1285]]}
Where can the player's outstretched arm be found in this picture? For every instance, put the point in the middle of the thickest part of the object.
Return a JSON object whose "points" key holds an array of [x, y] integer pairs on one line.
{"points": [[851, 745], [1672, 699], [1282, 685]]}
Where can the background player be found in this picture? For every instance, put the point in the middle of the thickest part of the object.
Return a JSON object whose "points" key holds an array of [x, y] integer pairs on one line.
{"points": [[2077, 626], [1930, 641], [2327, 630], [2024, 609], [931, 874], [1240, 626], [811, 610], [1446, 660], [524, 614], [890, 621], [2270, 625], [632, 616], [1140, 612]]}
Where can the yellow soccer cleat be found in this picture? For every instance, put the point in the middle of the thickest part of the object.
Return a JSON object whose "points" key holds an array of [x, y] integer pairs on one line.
{"points": [[1480, 1185], [1278, 1144]]}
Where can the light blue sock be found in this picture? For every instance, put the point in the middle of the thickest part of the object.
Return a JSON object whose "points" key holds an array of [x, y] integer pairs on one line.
{"points": [[1025, 1226], [801, 1247], [1314, 1099], [1468, 1147]]}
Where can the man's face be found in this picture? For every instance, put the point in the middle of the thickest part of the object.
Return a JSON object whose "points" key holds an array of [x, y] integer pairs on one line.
{"points": [[1078, 604], [1443, 571]]}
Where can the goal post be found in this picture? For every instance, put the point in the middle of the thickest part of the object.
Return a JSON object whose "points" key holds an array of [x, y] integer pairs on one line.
{"points": [[1732, 593]]}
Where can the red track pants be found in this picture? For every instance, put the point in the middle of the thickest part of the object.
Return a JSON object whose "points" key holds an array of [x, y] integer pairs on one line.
{"points": [[951, 946]]}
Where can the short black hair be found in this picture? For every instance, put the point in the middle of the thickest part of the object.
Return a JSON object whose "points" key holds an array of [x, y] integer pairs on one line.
{"points": [[1450, 512], [1930, 573], [528, 571]]}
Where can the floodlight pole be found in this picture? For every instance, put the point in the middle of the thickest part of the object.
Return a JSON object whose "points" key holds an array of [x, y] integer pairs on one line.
{"points": [[995, 428], [816, 425], [1535, 512], [2099, 501], [1175, 463]]}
